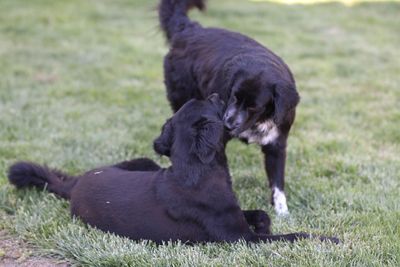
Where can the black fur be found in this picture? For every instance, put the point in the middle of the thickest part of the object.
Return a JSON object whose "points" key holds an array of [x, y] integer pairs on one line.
{"points": [[254, 82], [26, 174], [172, 18], [140, 164], [190, 201]]}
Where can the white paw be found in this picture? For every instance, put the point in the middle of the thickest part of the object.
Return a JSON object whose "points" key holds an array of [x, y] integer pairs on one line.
{"points": [[280, 202]]}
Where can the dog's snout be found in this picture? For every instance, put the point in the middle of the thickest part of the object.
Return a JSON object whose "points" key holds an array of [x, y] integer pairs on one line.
{"points": [[230, 122]]}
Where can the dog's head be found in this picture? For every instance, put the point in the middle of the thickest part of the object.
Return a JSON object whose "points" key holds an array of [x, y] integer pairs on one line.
{"points": [[253, 100], [194, 132]]}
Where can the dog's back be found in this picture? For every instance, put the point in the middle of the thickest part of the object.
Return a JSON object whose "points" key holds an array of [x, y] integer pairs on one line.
{"points": [[202, 61]]}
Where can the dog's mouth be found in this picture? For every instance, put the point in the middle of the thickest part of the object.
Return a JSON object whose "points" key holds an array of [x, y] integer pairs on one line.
{"points": [[235, 132], [236, 129], [232, 128]]}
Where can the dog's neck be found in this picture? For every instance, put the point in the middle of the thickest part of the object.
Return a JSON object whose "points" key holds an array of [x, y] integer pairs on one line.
{"points": [[191, 172]]}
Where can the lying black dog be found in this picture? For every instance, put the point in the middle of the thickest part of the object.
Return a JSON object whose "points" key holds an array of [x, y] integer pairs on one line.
{"points": [[190, 201], [255, 83]]}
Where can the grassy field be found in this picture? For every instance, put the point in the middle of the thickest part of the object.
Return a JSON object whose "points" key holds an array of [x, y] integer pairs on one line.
{"points": [[81, 85]]}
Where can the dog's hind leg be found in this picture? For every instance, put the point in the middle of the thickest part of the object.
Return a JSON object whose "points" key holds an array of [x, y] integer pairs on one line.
{"points": [[181, 86], [140, 164], [231, 226]]}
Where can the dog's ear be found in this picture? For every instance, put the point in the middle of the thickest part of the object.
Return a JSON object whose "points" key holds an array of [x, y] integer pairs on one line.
{"points": [[207, 139], [162, 145], [285, 99]]}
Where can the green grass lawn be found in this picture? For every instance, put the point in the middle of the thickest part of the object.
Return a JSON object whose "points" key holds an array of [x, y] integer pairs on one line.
{"points": [[81, 85]]}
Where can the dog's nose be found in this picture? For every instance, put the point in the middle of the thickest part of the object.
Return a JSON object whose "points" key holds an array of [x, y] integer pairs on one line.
{"points": [[229, 123], [228, 126]]}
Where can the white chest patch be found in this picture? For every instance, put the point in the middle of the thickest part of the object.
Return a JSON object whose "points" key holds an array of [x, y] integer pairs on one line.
{"points": [[262, 133]]}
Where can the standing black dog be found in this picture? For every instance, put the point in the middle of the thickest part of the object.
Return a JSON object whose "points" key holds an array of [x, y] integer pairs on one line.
{"points": [[190, 201], [255, 83]]}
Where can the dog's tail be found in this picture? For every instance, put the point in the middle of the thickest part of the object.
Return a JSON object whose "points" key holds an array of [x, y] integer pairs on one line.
{"points": [[28, 174], [173, 15]]}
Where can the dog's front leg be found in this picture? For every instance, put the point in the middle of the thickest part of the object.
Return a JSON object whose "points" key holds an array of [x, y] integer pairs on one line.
{"points": [[227, 226], [259, 219], [291, 238], [275, 158]]}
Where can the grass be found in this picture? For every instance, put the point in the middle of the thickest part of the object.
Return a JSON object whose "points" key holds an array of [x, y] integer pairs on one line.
{"points": [[81, 85]]}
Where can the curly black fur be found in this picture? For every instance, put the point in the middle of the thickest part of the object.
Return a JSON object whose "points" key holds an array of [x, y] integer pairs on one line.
{"points": [[26, 174]]}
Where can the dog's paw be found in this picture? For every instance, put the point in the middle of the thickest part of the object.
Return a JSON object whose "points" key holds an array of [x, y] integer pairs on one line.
{"points": [[262, 223], [279, 201]]}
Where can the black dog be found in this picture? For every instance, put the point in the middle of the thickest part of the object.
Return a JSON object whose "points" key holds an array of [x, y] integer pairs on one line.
{"points": [[255, 83], [190, 201]]}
